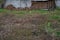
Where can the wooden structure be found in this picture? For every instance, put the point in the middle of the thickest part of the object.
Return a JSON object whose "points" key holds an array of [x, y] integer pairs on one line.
{"points": [[36, 4], [48, 4]]}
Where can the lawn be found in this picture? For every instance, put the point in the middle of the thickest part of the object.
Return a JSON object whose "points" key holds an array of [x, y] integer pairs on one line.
{"points": [[29, 24]]}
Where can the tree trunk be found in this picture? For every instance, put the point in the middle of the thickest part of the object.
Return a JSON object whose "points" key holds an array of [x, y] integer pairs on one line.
{"points": [[0, 5], [2, 2]]}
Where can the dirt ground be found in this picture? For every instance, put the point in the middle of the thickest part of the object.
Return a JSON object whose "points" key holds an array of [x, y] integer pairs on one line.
{"points": [[27, 27]]}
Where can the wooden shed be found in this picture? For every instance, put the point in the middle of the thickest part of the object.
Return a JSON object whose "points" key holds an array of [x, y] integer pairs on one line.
{"points": [[30, 4], [43, 4]]}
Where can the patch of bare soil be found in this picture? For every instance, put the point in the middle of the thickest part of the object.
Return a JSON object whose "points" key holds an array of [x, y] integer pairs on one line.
{"points": [[28, 27]]}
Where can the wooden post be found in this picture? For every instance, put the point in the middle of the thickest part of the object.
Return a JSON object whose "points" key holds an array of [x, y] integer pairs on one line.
{"points": [[52, 5]]}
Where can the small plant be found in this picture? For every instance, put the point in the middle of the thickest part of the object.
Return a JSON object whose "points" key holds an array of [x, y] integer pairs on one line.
{"points": [[49, 29], [58, 33]]}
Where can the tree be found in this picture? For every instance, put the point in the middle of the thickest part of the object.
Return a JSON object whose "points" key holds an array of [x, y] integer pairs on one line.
{"points": [[2, 3]]}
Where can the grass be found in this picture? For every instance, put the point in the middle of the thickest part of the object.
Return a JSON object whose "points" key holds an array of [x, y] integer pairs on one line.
{"points": [[58, 33], [52, 15], [23, 11]]}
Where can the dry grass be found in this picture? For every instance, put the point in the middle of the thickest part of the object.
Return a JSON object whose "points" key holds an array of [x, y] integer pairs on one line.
{"points": [[29, 25]]}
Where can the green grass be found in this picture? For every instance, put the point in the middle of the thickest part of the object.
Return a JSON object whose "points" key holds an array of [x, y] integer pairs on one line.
{"points": [[23, 11], [58, 33]]}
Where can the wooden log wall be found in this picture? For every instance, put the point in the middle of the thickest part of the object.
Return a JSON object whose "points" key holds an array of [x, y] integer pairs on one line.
{"points": [[42, 4]]}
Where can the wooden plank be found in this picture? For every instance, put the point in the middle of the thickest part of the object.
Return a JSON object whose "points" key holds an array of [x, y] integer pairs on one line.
{"points": [[42, 5]]}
